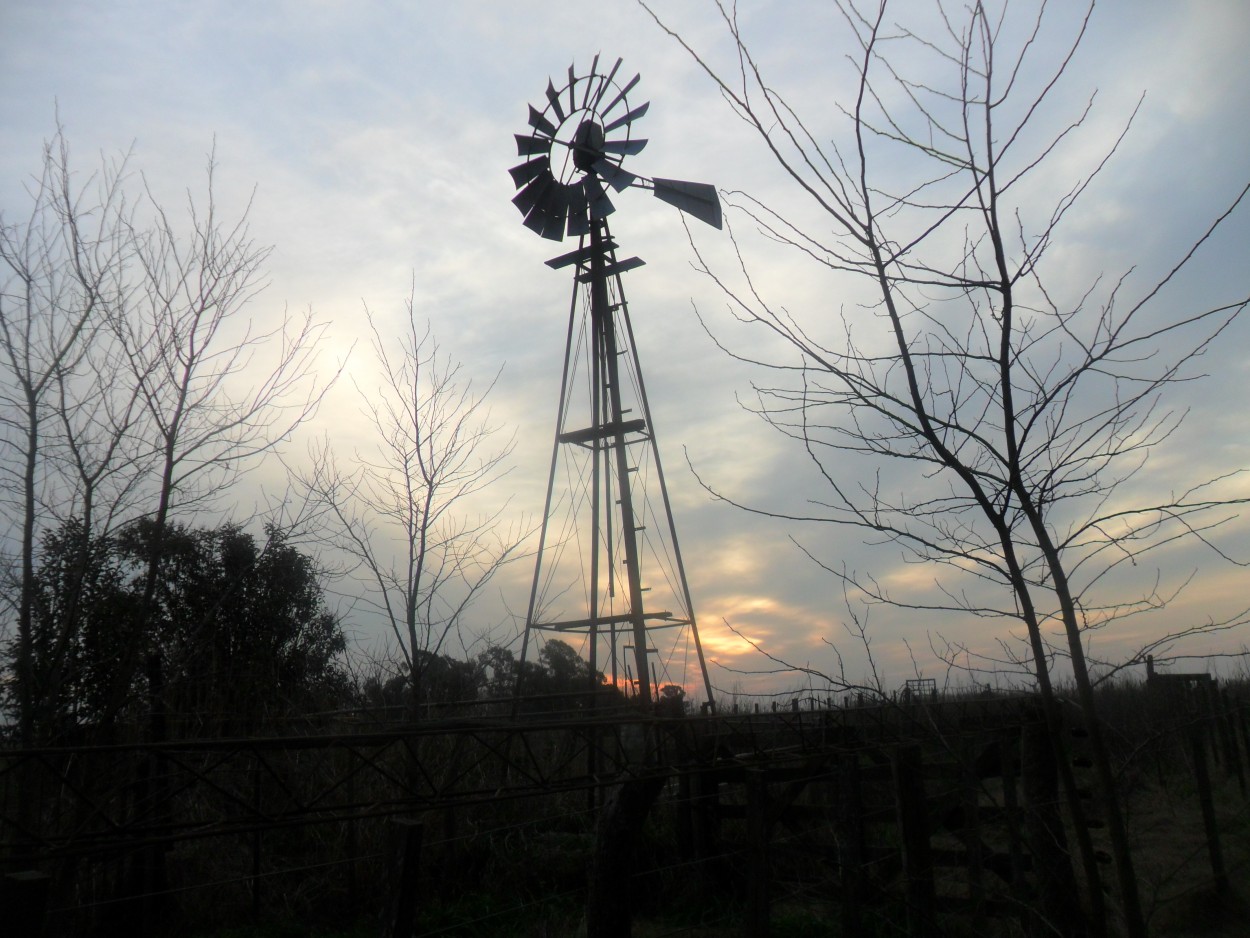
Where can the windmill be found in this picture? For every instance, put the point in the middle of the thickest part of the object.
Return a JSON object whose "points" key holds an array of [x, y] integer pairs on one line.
{"points": [[608, 572]]}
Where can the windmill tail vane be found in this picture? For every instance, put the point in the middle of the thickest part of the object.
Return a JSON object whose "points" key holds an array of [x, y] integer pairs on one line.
{"points": [[694, 198], [608, 570]]}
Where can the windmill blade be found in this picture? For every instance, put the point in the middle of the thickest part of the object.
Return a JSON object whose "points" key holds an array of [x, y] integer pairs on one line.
{"points": [[555, 209], [528, 145], [600, 205], [628, 118], [694, 198], [578, 219], [604, 84], [532, 194], [540, 123], [529, 170], [620, 95], [534, 222], [623, 147], [592, 74], [553, 96], [619, 179], [546, 203]]}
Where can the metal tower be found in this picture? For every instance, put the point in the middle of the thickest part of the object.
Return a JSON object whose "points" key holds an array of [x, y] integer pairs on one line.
{"points": [[608, 574]]}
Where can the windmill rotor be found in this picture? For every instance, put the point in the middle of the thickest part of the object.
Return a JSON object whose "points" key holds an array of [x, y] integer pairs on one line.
{"points": [[573, 154]]}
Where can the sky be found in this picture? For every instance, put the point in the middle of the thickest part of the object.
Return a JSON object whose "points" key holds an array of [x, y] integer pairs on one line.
{"points": [[374, 140]]}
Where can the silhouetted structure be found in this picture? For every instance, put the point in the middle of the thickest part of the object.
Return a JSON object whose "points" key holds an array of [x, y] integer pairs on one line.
{"points": [[608, 563]]}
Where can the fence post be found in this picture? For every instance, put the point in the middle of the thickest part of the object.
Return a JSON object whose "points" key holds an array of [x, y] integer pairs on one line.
{"points": [[683, 815], [402, 920], [153, 807], [913, 823], [706, 832], [256, 835], [1057, 909], [610, 901], [970, 828], [1238, 715], [850, 842], [1224, 714], [1205, 799], [353, 838], [758, 864]]}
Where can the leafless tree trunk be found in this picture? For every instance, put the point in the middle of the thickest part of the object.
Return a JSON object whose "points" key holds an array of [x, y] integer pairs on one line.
{"points": [[407, 514], [1014, 407]]}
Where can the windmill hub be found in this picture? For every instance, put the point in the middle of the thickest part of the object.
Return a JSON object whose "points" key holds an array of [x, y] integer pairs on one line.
{"points": [[588, 145]]}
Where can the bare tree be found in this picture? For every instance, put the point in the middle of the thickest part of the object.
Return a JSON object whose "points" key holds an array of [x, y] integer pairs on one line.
{"points": [[215, 392], [136, 388], [407, 513], [1007, 410], [61, 268]]}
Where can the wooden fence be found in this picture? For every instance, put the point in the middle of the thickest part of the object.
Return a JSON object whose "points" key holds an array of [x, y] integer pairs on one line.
{"points": [[891, 818]]}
